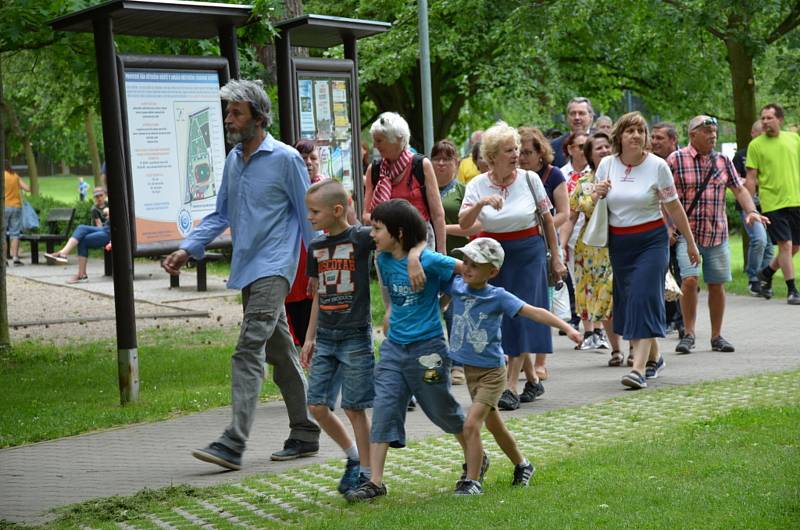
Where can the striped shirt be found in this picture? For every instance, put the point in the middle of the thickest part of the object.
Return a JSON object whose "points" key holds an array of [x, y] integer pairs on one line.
{"points": [[708, 220]]}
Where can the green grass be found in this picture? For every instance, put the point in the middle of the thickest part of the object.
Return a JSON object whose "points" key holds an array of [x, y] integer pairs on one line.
{"points": [[53, 391], [740, 470], [62, 188], [718, 455]]}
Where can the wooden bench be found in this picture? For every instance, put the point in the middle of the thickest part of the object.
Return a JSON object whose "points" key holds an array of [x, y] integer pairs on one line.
{"points": [[175, 281], [53, 236]]}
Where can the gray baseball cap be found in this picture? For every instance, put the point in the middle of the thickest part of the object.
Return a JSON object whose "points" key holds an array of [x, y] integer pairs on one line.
{"points": [[484, 250]]}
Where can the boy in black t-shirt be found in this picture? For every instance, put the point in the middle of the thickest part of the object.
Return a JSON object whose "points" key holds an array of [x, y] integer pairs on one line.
{"points": [[339, 336]]}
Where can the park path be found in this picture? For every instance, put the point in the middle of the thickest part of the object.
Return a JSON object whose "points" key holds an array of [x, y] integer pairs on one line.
{"points": [[37, 478]]}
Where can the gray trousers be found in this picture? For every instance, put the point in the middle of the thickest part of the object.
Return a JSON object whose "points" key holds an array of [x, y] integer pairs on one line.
{"points": [[265, 337]]}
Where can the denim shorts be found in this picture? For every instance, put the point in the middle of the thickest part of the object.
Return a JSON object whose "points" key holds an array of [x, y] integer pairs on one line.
{"points": [[716, 262], [421, 369], [13, 221], [348, 351]]}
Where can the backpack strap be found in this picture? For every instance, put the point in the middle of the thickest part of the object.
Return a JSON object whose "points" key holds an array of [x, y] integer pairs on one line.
{"points": [[376, 172]]}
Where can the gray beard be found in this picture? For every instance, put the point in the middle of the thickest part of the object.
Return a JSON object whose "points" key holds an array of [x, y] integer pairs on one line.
{"points": [[243, 135]]}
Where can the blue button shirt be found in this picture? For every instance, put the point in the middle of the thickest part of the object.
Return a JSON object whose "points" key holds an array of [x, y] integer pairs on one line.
{"points": [[263, 202]]}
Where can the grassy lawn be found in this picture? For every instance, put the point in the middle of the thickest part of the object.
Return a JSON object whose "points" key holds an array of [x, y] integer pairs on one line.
{"points": [[741, 470], [62, 188], [51, 391], [696, 456]]}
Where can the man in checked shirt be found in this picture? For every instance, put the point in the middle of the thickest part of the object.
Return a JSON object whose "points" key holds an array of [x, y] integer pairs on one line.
{"points": [[699, 170]]}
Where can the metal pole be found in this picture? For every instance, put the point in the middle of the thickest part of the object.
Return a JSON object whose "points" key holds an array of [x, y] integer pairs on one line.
{"points": [[110, 108], [351, 52], [425, 70], [286, 99]]}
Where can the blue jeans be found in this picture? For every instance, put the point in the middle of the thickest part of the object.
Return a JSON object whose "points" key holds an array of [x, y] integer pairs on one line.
{"points": [[421, 369], [91, 237], [759, 251], [343, 358]]}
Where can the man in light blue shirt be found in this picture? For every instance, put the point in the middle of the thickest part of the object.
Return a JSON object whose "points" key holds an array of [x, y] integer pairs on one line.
{"points": [[261, 199]]}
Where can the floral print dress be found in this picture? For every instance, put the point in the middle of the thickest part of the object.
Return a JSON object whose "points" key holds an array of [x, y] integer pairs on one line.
{"points": [[592, 265]]}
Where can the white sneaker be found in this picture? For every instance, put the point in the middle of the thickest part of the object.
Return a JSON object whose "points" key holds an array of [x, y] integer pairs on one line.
{"points": [[589, 343], [601, 342]]}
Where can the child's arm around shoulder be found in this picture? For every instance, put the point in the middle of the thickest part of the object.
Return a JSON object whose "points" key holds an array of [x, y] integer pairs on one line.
{"points": [[543, 316], [416, 274]]}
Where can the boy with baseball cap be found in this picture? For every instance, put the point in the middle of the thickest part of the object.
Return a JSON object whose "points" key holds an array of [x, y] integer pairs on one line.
{"points": [[478, 310]]}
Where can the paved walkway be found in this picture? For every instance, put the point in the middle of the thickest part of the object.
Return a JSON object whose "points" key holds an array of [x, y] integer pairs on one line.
{"points": [[39, 477]]}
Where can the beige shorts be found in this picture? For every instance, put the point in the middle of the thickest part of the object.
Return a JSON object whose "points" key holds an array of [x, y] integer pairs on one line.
{"points": [[485, 385]]}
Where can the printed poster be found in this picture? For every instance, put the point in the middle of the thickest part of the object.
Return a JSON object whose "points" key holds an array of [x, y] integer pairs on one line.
{"points": [[177, 150]]}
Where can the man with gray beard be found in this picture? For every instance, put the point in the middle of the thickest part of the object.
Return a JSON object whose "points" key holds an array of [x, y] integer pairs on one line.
{"points": [[262, 200]]}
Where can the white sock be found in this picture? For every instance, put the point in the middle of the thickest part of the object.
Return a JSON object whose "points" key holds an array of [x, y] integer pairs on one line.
{"points": [[352, 453], [366, 471], [524, 462]]}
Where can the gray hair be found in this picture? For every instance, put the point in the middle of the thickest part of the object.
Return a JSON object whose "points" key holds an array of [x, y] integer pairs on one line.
{"points": [[244, 91], [393, 127], [493, 137], [668, 127], [603, 118], [578, 100]]}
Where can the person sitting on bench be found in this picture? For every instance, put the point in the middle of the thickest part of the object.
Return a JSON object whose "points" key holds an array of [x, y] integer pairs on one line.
{"points": [[85, 237]]}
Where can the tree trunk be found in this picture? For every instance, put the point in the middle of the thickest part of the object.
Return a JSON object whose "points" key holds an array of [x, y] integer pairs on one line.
{"points": [[33, 170], [94, 153], [744, 89], [5, 338], [65, 169]]}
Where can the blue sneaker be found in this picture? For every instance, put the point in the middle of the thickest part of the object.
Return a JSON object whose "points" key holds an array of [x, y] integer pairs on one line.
{"points": [[216, 453], [653, 368], [350, 480], [634, 380]]}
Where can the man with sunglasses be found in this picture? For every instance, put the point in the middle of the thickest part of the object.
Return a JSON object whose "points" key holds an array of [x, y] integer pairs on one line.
{"points": [[773, 163], [701, 177]]}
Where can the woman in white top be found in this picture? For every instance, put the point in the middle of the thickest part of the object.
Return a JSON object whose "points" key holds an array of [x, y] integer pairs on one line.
{"points": [[637, 184], [502, 200]]}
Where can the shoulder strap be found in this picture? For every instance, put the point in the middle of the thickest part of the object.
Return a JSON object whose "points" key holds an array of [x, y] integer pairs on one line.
{"points": [[703, 186], [376, 172], [418, 170]]}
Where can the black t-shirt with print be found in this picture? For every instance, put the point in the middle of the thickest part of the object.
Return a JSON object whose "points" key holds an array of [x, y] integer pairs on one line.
{"points": [[341, 263]]}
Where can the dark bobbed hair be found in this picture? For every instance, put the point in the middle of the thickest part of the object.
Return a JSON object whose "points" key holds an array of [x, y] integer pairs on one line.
{"points": [[402, 221], [305, 147], [444, 148], [569, 140], [589, 146]]}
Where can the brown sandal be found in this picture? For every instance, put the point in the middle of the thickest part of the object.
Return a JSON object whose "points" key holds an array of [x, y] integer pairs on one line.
{"points": [[616, 358]]}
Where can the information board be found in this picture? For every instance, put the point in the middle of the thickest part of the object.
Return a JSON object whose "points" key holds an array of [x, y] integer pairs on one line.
{"points": [[325, 118], [176, 151]]}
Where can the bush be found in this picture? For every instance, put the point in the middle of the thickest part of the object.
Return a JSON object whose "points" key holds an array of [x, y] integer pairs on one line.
{"points": [[43, 204]]}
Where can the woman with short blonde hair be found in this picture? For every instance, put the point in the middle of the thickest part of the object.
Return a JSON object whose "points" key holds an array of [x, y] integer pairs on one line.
{"points": [[505, 202]]}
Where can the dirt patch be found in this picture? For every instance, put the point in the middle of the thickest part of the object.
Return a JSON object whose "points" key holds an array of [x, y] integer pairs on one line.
{"points": [[32, 302]]}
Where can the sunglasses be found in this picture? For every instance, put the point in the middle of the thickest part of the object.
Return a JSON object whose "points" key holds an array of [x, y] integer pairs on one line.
{"points": [[705, 123]]}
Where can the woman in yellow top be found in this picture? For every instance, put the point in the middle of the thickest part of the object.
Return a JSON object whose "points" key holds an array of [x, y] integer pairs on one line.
{"points": [[593, 280], [12, 213]]}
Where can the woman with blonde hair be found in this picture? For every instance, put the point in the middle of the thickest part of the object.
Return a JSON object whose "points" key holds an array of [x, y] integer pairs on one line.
{"points": [[505, 200], [637, 184]]}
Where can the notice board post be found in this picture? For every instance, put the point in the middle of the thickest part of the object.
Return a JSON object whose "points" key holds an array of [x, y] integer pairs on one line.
{"points": [[143, 18], [319, 98]]}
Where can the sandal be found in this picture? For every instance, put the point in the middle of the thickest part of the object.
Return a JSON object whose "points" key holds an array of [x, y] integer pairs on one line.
{"points": [[616, 358], [542, 372], [78, 279]]}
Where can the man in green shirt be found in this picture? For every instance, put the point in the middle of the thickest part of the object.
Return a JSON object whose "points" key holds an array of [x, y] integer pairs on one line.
{"points": [[773, 164]]}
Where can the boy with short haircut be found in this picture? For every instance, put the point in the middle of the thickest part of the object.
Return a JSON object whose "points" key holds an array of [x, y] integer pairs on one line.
{"points": [[478, 310], [339, 335], [413, 356]]}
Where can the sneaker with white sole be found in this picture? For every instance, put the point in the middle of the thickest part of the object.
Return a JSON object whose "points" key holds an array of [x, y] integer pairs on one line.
{"points": [[523, 474], [366, 492], [634, 380], [468, 487], [216, 453], [653, 368]]}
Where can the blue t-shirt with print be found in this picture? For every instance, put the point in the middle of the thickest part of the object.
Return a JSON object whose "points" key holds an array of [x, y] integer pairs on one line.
{"points": [[477, 320], [415, 314]]}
